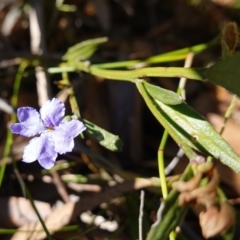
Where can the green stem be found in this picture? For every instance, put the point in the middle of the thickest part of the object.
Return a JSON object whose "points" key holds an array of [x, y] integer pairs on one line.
{"points": [[175, 55], [228, 113], [161, 165], [38, 215], [63, 229], [29, 196], [9, 139], [6, 153], [131, 75], [161, 168], [17, 82], [72, 98]]}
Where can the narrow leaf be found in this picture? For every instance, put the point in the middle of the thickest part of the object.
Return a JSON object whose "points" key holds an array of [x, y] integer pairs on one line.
{"points": [[83, 50], [188, 127], [163, 95], [226, 73], [103, 137]]}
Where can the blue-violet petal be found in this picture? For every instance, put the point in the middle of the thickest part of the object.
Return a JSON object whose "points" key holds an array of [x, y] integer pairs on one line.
{"points": [[30, 122], [63, 135], [40, 148], [52, 112]]}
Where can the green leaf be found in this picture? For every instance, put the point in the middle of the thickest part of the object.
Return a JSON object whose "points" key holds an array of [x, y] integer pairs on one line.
{"points": [[189, 129], [83, 50], [103, 137], [226, 73], [163, 95]]}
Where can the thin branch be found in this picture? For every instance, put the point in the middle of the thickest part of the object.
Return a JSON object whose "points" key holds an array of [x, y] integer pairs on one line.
{"points": [[38, 47], [140, 219], [174, 162], [60, 187]]}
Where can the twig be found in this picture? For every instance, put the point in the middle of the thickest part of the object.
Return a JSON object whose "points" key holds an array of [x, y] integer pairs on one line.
{"points": [[60, 187], [38, 47], [6, 160], [228, 113], [140, 219], [5, 107], [174, 161], [36, 27], [183, 80], [20, 180]]}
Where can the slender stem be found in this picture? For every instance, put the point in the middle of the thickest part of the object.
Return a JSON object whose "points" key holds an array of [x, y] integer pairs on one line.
{"points": [[183, 80], [140, 219], [17, 82], [63, 229], [176, 55], [161, 165], [131, 75], [29, 196], [228, 113], [6, 152], [9, 139], [72, 98], [161, 169]]}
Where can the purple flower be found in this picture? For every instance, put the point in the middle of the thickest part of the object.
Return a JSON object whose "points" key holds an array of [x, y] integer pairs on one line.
{"points": [[56, 134]]}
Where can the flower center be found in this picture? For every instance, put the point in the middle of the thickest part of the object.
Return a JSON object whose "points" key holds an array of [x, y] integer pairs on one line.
{"points": [[48, 129]]}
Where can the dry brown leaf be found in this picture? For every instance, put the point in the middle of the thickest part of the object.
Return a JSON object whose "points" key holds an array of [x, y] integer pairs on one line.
{"points": [[17, 211], [190, 185], [216, 221]]}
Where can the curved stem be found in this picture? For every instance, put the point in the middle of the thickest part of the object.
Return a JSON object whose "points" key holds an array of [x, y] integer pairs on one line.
{"points": [[9, 139], [131, 75], [161, 164]]}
